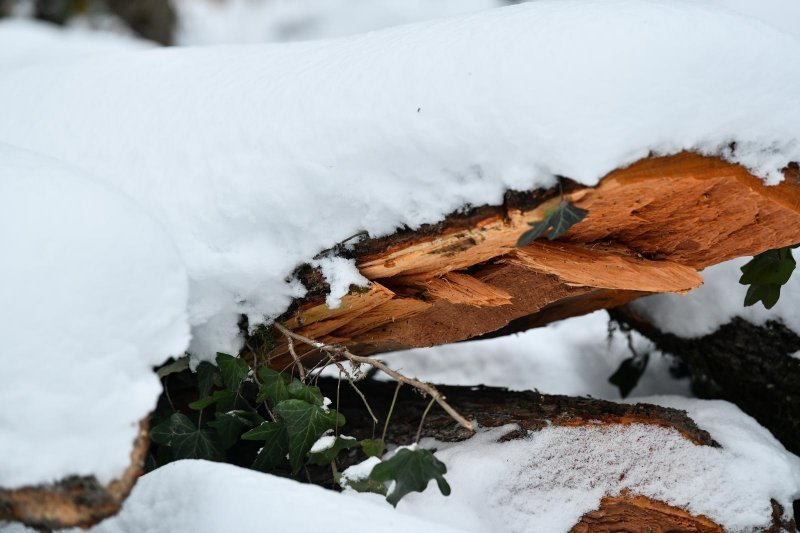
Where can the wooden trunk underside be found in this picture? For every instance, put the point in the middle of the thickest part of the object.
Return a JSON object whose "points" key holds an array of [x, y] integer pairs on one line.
{"points": [[651, 227]]}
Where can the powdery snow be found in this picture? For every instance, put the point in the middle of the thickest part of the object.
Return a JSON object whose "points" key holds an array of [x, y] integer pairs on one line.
{"points": [[574, 357], [194, 496], [249, 154], [716, 302], [94, 295], [547, 481]]}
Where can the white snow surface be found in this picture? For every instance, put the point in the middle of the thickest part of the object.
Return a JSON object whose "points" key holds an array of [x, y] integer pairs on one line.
{"points": [[194, 496], [544, 482], [94, 295], [717, 302], [573, 357], [248, 154], [547, 481]]}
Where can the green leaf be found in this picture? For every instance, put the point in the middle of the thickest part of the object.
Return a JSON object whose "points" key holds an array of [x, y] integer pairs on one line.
{"points": [[770, 267], [411, 471], [300, 391], [629, 372], [367, 485], [372, 447], [178, 365], [233, 370], [186, 441], [566, 216], [765, 274], [557, 220], [276, 445], [325, 457], [224, 396], [274, 386], [230, 426], [768, 294], [305, 423], [207, 378]]}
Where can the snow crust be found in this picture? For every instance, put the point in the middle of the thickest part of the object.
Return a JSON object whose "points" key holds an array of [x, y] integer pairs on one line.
{"points": [[242, 152], [94, 295], [717, 302], [547, 481]]}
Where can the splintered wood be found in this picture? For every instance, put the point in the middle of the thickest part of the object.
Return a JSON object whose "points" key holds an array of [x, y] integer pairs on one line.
{"points": [[651, 227]]}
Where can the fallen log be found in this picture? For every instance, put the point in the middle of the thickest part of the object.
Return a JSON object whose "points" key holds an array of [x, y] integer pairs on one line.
{"points": [[531, 411], [748, 365], [77, 501], [651, 227]]}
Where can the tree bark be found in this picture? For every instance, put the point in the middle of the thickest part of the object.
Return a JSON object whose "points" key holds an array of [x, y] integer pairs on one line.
{"points": [[532, 411], [748, 365], [651, 227], [77, 501]]}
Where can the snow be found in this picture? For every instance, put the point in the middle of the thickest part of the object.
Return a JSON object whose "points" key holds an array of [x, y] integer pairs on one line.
{"points": [[573, 357], [94, 295], [248, 154], [24, 43], [717, 302], [323, 443], [546, 481], [203, 22], [359, 471], [195, 496], [340, 273]]}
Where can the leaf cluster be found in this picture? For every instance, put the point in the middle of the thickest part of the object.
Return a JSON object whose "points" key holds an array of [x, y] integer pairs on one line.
{"points": [[765, 274]]}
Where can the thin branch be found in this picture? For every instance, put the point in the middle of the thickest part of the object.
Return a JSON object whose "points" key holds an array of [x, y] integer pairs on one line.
{"points": [[343, 352], [422, 420], [300, 368], [358, 391]]}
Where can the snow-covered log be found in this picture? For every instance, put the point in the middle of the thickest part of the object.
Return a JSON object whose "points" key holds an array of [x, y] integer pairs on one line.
{"points": [[651, 228], [666, 443]]}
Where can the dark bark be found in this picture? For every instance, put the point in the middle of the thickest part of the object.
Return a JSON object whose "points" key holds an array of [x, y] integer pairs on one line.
{"points": [[748, 365]]}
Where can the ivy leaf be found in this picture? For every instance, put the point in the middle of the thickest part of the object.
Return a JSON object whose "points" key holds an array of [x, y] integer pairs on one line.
{"points": [[765, 274], [327, 455], [305, 423], [300, 391], [629, 372], [233, 370], [186, 441], [229, 426], [558, 220], [223, 396], [178, 365], [411, 471], [372, 447], [207, 378], [276, 445], [274, 386]]}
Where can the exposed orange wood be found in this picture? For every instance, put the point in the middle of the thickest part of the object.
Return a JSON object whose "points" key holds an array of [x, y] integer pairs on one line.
{"points": [[651, 227]]}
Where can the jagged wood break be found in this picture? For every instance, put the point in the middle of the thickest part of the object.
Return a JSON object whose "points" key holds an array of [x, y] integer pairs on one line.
{"points": [[77, 501], [650, 228]]}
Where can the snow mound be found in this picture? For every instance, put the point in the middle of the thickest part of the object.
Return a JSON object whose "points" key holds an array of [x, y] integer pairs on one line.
{"points": [[717, 302], [94, 295], [258, 158], [194, 496]]}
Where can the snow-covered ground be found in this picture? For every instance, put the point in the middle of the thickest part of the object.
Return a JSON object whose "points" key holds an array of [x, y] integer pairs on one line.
{"points": [[203, 157]]}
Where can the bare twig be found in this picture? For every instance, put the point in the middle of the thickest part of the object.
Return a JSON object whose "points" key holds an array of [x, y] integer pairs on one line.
{"points": [[422, 420], [300, 368], [358, 391], [340, 351]]}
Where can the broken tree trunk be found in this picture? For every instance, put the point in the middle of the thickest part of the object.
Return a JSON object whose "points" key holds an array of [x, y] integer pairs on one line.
{"points": [[531, 411], [77, 501], [748, 365], [651, 227]]}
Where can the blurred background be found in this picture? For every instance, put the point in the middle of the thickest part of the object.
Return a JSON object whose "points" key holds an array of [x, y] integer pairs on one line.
{"points": [[205, 22]]}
